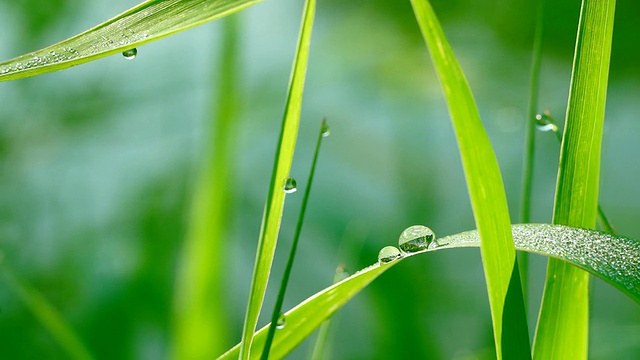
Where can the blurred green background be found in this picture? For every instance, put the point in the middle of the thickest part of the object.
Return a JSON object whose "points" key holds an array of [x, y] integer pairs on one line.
{"points": [[98, 165]]}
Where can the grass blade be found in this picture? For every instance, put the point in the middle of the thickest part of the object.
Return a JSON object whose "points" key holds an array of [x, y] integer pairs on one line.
{"points": [[147, 22], [615, 259], [563, 324], [281, 167], [47, 315], [199, 330], [486, 191], [324, 132]]}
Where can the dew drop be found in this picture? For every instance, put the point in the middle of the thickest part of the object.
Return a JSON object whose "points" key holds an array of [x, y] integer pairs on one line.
{"points": [[325, 130], [130, 54], [416, 238], [281, 322], [545, 123], [290, 185], [388, 254]]}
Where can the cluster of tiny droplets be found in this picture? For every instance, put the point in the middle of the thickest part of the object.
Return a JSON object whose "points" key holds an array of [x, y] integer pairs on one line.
{"points": [[615, 257]]}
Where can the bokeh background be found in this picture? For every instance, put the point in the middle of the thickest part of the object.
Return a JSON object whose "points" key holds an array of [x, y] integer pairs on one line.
{"points": [[98, 166]]}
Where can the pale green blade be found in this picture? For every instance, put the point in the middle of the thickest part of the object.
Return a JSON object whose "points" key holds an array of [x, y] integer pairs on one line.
{"points": [[615, 259], [281, 167], [147, 22], [200, 330], [563, 324], [486, 191]]}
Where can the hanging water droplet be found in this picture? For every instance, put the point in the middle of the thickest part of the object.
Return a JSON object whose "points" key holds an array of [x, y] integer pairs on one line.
{"points": [[388, 254], [290, 185], [130, 54], [325, 130], [545, 123], [416, 238], [281, 322]]}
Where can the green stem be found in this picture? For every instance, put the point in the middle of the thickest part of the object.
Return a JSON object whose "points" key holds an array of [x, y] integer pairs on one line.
{"points": [[277, 309], [529, 148]]}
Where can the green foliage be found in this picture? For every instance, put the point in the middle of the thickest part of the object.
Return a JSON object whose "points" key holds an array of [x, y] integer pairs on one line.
{"points": [[486, 190], [563, 325]]}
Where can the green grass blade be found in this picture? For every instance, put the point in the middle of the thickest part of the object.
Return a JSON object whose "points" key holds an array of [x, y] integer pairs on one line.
{"points": [[277, 309], [147, 22], [615, 259], [47, 315], [281, 167], [563, 324], [199, 329], [486, 191]]}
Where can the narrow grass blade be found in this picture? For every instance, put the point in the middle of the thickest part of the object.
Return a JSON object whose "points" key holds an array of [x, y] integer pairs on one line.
{"points": [[147, 22], [47, 315], [486, 191], [281, 168], [563, 324], [324, 132], [199, 326], [615, 259], [529, 142]]}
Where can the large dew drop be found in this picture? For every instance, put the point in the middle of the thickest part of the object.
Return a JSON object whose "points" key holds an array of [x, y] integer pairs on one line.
{"points": [[290, 185], [416, 238], [388, 254], [130, 54]]}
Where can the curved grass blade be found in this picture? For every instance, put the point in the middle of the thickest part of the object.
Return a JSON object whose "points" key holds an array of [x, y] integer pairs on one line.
{"points": [[486, 190], [281, 167], [200, 330], [615, 259], [563, 324], [47, 315], [144, 23]]}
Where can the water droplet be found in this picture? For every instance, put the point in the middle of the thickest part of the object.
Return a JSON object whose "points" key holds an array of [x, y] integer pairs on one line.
{"points": [[545, 123], [290, 185], [130, 54], [281, 322], [325, 130], [416, 238], [388, 254]]}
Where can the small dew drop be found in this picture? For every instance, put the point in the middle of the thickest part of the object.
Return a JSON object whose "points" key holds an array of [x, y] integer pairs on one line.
{"points": [[325, 130], [130, 54], [281, 322], [388, 254], [416, 238], [290, 185], [545, 123]]}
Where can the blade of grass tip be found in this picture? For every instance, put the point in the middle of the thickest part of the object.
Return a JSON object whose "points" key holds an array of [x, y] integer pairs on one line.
{"points": [[277, 308], [47, 314], [149, 21], [323, 345], [199, 323], [563, 323], [486, 191], [281, 167], [615, 259], [529, 147]]}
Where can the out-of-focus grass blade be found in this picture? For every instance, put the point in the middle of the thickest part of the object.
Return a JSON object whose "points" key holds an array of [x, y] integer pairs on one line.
{"points": [[200, 330], [615, 259], [281, 168], [563, 324], [149, 21], [46, 314], [486, 191]]}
